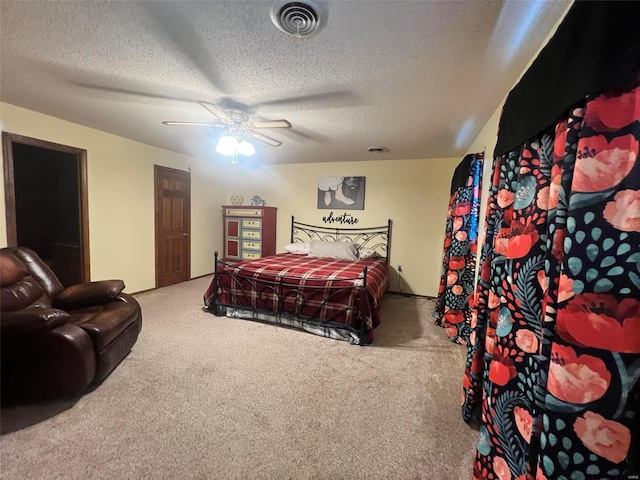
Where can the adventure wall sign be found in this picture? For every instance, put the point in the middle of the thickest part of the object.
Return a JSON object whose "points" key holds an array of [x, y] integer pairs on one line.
{"points": [[343, 219]]}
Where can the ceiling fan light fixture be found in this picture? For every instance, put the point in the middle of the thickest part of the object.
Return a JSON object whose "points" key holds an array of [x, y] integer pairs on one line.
{"points": [[227, 145], [237, 128], [245, 148], [231, 146]]}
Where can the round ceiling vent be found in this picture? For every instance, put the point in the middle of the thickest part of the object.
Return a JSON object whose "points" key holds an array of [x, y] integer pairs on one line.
{"points": [[298, 19]]}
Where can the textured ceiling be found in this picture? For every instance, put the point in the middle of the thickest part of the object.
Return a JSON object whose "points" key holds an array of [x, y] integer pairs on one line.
{"points": [[417, 77]]}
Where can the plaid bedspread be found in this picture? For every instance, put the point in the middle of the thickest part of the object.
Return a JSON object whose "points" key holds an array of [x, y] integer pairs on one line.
{"points": [[322, 290]]}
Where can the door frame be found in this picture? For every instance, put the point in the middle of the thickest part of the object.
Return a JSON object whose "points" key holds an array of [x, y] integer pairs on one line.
{"points": [[8, 139], [157, 196]]}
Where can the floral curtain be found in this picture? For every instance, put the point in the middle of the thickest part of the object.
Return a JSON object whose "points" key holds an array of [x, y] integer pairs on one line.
{"points": [[554, 351], [457, 282]]}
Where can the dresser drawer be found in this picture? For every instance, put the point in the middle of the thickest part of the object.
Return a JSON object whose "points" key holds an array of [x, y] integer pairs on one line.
{"points": [[251, 223], [253, 234], [243, 212], [250, 255], [232, 248], [251, 245]]}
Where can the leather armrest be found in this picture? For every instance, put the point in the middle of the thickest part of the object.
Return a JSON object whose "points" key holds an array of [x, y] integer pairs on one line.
{"points": [[88, 294], [32, 320]]}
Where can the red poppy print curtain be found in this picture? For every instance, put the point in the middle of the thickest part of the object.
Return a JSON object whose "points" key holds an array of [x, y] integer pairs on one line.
{"points": [[554, 352], [457, 282]]}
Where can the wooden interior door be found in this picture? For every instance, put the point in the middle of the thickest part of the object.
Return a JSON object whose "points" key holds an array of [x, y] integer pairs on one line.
{"points": [[173, 225]]}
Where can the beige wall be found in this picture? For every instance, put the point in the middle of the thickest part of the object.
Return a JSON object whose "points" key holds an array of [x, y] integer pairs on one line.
{"points": [[412, 193], [121, 203]]}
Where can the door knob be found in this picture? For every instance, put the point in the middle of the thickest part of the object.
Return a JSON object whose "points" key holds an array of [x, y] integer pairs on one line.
{"points": [[185, 234]]}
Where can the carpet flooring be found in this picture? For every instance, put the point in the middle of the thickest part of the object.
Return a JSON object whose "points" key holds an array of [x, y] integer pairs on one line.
{"points": [[206, 397]]}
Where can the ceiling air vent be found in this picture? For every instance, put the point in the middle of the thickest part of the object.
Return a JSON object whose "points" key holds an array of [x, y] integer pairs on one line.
{"points": [[377, 149], [298, 19]]}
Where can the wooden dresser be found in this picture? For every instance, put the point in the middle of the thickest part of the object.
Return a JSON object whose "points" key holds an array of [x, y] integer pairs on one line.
{"points": [[249, 232]]}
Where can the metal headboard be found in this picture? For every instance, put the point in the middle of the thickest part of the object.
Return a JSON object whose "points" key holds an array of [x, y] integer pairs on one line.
{"points": [[376, 238]]}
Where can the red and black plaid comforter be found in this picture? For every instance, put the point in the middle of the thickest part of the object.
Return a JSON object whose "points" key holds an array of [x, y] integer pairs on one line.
{"points": [[319, 288]]}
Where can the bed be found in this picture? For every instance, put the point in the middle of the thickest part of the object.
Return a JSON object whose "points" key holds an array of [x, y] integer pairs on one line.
{"points": [[319, 288]]}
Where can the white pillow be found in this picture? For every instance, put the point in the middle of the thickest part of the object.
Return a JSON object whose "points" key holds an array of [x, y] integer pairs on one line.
{"points": [[297, 248], [364, 252], [337, 250]]}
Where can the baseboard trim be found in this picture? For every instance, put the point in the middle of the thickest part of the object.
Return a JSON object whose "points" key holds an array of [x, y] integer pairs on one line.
{"points": [[156, 288], [412, 295], [202, 276]]}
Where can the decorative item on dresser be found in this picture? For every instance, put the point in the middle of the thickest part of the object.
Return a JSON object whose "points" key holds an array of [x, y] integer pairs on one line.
{"points": [[257, 201], [249, 232]]}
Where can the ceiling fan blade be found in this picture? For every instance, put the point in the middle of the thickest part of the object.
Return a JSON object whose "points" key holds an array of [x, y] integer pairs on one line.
{"points": [[129, 92], [199, 124], [169, 21], [268, 140], [217, 111], [338, 98], [269, 124]]}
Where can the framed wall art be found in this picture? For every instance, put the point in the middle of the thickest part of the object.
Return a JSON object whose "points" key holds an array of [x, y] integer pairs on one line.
{"points": [[341, 193]]}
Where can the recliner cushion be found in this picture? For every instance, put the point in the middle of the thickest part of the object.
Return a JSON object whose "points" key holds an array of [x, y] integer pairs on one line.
{"points": [[11, 269], [88, 294], [105, 323], [19, 289], [39, 270]]}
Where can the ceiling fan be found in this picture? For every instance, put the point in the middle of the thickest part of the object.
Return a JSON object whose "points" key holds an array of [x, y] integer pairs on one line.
{"points": [[237, 124]]}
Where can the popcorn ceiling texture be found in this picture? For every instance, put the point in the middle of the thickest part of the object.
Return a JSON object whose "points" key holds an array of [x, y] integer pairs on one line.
{"points": [[420, 78]]}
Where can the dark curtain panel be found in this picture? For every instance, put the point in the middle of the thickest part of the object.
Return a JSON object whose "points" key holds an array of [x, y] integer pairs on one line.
{"points": [[452, 310], [554, 352], [595, 48]]}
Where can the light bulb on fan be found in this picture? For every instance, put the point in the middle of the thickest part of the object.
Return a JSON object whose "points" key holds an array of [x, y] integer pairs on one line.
{"points": [[245, 148], [227, 145]]}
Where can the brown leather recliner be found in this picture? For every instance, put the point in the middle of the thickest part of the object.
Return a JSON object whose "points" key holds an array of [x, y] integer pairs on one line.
{"points": [[58, 341]]}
